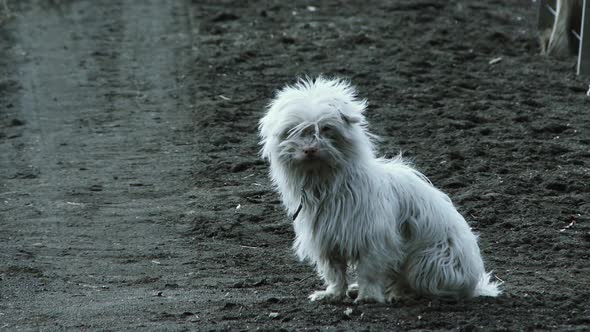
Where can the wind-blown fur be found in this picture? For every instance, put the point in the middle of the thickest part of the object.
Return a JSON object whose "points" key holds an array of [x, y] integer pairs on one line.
{"points": [[379, 216]]}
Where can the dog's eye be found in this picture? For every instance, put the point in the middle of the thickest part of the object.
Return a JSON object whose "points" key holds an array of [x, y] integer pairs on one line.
{"points": [[325, 129], [284, 134]]}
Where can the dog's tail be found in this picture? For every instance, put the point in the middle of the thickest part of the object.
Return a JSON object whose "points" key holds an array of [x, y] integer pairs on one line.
{"points": [[486, 287]]}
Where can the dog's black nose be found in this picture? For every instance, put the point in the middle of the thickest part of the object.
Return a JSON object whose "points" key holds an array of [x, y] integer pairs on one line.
{"points": [[310, 151]]}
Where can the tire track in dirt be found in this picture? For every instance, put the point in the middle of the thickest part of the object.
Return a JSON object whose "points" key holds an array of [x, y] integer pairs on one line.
{"points": [[109, 142]]}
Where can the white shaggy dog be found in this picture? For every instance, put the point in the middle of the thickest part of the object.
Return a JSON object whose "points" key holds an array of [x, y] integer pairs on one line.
{"points": [[380, 217]]}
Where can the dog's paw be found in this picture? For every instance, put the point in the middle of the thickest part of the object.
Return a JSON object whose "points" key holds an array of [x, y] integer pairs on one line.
{"points": [[353, 291], [365, 300], [369, 296], [325, 296]]}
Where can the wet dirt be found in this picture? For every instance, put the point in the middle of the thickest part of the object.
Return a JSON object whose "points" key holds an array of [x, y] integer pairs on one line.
{"points": [[132, 195]]}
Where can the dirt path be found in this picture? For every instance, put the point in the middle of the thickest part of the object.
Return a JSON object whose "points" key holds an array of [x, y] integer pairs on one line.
{"points": [[97, 175], [132, 195]]}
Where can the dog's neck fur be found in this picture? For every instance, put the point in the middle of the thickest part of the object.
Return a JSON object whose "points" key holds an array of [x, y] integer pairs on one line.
{"points": [[315, 182], [311, 186]]}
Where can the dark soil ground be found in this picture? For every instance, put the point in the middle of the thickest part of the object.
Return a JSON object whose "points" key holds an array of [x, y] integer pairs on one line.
{"points": [[132, 195]]}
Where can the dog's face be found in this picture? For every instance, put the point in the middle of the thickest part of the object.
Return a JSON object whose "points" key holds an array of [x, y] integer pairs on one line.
{"points": [[315, 135], [314, 124]]}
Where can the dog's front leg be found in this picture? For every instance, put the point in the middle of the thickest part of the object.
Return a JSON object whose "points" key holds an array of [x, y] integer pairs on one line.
{"points": [[333, 271], [371, 281]]}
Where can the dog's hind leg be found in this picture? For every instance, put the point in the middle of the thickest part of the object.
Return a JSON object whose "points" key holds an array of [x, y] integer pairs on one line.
{"points": [[397, 289], [443, 270]]}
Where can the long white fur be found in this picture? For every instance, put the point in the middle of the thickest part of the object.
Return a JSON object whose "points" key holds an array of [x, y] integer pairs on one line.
{"points": [[380, 217]]}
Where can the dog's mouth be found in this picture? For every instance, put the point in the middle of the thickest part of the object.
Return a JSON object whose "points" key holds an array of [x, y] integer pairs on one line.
{"points": [[311, 158], [310, 161], [315, 161]]}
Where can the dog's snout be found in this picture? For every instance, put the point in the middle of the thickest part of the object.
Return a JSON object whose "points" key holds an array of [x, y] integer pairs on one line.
{"points": [[310, 151]]}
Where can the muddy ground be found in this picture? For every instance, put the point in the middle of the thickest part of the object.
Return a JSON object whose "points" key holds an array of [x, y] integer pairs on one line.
{"points": [[128, 141]]}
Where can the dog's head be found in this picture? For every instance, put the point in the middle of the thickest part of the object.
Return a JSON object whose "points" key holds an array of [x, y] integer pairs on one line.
{"points": [[314, 124]]}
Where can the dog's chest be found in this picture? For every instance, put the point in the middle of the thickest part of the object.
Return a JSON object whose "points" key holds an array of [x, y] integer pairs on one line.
{"points": [[331, 226]]}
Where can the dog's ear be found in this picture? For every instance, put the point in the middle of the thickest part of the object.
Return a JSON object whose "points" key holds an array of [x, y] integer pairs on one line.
{"points": [[350, 119], [350, 108]]}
